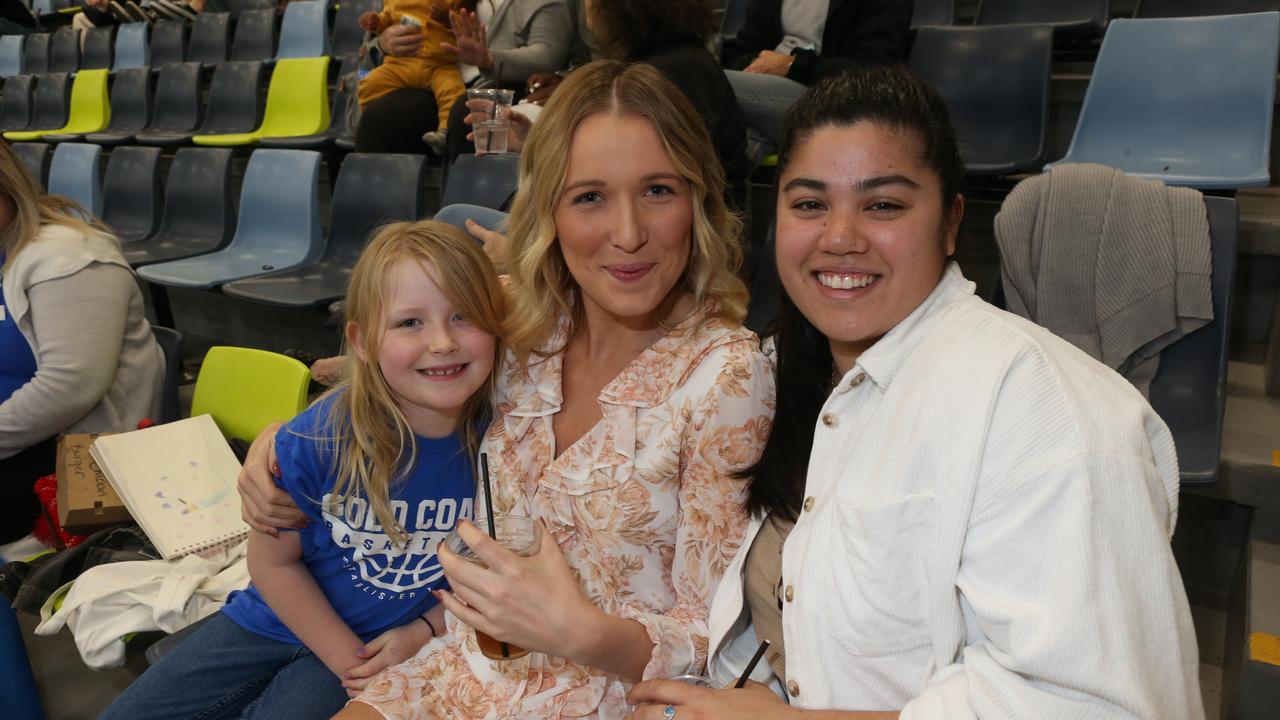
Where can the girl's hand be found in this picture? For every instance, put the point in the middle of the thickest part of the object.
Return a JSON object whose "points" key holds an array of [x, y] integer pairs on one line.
{"points": [[696, 703], [263, 505], [471, 40], [495, 244], [390, 648], [534, 602], [769, 62]]}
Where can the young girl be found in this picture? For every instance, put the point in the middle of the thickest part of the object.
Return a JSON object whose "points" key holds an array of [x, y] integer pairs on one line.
{"points": [[382, 467]]}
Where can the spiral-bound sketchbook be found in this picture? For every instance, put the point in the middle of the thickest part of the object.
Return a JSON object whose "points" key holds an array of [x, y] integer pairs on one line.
{"points": [[178, 481]]}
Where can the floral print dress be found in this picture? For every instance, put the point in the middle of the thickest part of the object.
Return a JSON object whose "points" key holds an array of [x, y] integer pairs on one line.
{"points": [[645, 507]]}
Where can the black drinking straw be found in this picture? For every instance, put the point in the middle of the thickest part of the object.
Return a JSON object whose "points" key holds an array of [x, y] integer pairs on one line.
{"points": [[488, 509], [755, 659]]}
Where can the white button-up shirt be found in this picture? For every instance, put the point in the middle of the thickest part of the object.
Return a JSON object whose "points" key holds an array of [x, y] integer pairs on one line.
{"points": [[987, 536]]}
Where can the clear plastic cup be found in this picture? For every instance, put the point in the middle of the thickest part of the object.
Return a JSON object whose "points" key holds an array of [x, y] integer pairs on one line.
{"points": [[520, 535], [491, 124]]}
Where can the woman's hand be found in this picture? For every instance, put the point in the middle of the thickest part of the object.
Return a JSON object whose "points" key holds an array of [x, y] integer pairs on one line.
{"points": [[495, 244], [539, 86], [390, 648], [471, 40], [401, 40], [518, 124], [328, 371], [263, 505], [769, 62], [534, 602], [697, 703]]}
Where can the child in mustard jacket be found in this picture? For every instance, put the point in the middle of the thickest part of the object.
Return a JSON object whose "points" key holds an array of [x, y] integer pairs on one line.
{"points": [[431, 69]]}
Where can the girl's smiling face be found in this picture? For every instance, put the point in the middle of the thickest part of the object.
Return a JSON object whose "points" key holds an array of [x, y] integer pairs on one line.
{"points": [[862, 234]]}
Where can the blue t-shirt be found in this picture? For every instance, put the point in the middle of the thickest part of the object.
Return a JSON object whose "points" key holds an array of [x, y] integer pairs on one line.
{"points": [[17, 362], [373, 584]]}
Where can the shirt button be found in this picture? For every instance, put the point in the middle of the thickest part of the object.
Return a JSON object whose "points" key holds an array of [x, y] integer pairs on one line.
{"points": [[808, 504], [856, 380], [830, 420], [789, 594], [793, 689]]}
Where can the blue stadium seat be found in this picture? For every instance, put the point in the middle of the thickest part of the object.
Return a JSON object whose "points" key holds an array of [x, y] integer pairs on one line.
{"points": [[199, 210], [1061, 14], [995, 80], [168, 42], [372, 190], [132, 47], [279, 227], [49, 101], [210, 38], [36, 157], [17, 682], [64, 50], [177, 106], [74, 174], [1190, 388], [131, 193], [99, 48], [1186, 101], [348, 36], [933, 12], [1199, 8], [255, 36], [11, 59], [15, 108], [235, 103], [35, 53], [484, 180], [304, 32]]}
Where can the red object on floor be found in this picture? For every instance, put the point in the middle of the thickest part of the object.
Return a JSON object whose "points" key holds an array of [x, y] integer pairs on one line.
{"points": [[46, 489]]}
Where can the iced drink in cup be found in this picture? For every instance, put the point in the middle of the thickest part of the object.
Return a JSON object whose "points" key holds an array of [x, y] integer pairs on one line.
{"points": [[491, 121], [520, 535]]}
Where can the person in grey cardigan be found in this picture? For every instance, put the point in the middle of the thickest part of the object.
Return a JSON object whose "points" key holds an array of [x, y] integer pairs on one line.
{"points": [[76, 352]]}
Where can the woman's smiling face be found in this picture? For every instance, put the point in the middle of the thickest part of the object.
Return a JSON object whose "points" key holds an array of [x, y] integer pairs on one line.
{"points": [[862, 235]]}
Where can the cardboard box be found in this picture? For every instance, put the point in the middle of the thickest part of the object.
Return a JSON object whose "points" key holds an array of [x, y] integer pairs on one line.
{"points": [[86, 500]]}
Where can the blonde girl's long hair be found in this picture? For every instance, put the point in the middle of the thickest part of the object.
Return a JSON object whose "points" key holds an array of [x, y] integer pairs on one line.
{"points": [[541, 287], [34, 208], [374, 447]]}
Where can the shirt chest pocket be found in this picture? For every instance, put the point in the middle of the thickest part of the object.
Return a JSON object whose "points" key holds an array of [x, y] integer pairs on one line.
{"points": [[880, 575]]}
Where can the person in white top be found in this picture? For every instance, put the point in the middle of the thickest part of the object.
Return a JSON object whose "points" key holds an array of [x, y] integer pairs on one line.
{"points": [[982, 513]]}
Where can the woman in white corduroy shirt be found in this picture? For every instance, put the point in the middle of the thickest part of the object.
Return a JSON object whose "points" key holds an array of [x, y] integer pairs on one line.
{"points": [[957, 514]]}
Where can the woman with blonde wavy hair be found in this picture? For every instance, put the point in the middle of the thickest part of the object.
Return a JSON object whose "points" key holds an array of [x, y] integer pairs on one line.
{"points": [[76, 352], [382, 465], [629, 399]]}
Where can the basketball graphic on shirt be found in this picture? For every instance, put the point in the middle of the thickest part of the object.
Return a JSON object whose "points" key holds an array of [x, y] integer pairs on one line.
{"points": [[375, 558]]}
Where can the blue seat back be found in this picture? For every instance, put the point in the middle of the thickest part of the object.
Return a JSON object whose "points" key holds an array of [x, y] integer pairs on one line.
{"points": [[1059, 13], [347, 33], [1189, 389], [304, 32], [996, 83], [36, 54], [1187, 101], [49, 101], [36, 157], [933, 12], [64, 50], [372, 190], [11, 59], [484, 180], [168, 42], [171, 342], [132, 47], [199, 209], [99, 48], [255, 36], [74, 174], [280, 199], [16, 111], [1199, 8], [131, 192], [210, 38]]}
